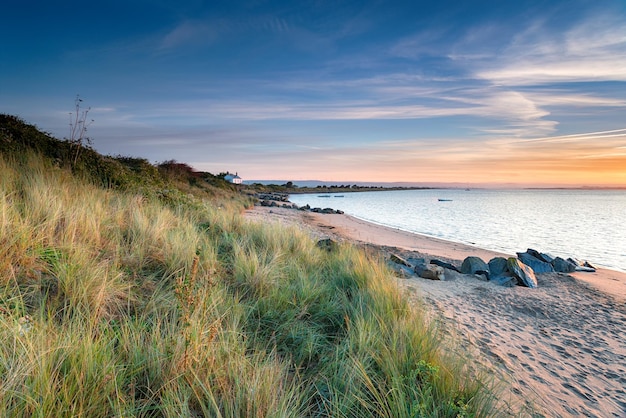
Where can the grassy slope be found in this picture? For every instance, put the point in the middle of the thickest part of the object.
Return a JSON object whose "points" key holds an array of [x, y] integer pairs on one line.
{"points": [[129, 291]]}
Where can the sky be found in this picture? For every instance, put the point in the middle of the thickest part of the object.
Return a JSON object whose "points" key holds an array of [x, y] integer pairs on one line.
{"points": [[506, 93]]}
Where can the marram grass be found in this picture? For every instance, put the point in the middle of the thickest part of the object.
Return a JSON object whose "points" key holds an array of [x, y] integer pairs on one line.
{"points": [[119, 303]]}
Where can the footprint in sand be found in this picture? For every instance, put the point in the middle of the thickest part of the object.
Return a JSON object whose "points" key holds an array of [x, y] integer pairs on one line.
{"points": [[539, 379]]}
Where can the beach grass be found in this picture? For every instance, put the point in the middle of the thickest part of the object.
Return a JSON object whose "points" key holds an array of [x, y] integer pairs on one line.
{"points": [[134, 302]]}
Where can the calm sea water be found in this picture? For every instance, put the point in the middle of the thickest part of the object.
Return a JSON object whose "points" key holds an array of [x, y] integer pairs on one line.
{"points": [[585, 224]]}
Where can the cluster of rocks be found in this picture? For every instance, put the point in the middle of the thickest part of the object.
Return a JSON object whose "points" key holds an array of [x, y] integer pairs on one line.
{"points": [[546, 263], [320, 210], [512, 271], [281, 200], [273, 197], [275, 204]]}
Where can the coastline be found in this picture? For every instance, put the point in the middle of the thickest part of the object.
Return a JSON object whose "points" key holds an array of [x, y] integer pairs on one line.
{"points": [[561, 347]]}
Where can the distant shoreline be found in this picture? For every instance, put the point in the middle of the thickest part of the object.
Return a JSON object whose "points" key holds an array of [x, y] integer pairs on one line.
{"points": [[356, 190]]}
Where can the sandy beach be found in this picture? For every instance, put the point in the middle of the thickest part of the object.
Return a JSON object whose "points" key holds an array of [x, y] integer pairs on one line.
{"points": [[561, 347]]}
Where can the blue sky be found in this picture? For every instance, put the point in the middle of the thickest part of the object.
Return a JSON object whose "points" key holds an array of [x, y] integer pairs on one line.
{"points": [[505, 92]]}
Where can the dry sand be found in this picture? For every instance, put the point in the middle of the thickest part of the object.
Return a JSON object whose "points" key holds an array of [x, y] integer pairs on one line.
{"points": [[561, 347]]}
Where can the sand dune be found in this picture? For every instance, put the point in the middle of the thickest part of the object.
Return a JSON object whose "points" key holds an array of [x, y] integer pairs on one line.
{"points": [[561, 347]]}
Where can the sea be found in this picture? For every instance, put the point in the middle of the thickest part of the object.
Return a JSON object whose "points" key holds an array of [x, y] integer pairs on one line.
{"points": [[584, 224]]}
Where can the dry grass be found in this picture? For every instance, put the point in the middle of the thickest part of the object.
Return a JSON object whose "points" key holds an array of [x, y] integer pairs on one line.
{"points": [[117, 304]]}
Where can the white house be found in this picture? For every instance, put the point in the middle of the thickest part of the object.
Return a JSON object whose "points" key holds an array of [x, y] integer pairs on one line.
{"points": [[233, 178]]}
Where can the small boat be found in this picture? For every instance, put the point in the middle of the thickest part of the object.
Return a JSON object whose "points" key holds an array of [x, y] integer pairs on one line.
{"points": [[445, 200], [324, 195], [339, 195]]}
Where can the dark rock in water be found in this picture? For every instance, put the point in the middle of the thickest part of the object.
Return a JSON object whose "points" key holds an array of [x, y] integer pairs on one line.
{"points": [[563, 266], [474, 265], [327, 244], [506, 281], [444, 265], [399, 260], [523, 273], [536, 264], [497, 266]]}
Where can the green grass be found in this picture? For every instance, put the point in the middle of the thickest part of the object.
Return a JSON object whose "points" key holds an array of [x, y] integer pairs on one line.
{"points": [[118, 302]]}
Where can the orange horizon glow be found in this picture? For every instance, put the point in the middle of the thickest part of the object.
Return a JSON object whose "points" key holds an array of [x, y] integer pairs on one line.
{"points": [[583, 160]]}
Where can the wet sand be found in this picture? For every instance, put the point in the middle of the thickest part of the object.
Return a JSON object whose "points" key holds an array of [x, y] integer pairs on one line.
{"points": [[561, 347]]}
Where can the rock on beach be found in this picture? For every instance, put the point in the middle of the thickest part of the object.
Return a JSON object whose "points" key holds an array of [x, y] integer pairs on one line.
{"points": [[523, 273]]}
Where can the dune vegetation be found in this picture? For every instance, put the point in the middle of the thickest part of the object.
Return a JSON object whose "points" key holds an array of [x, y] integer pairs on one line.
{"points": [[128, 289]]}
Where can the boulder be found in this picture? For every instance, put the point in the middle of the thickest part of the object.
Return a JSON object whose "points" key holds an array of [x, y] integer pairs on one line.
{"points": [[401, 271], [523, 273], [589, 265], [541, 256], [582, 265], [474, 265], [417, 261], [497, 266], [548, 258], [419, 265], [500, 275], [538, 266], [574, 261], [444, 265], [506, 281], [563, 266], [399, 260], [430, 271]]}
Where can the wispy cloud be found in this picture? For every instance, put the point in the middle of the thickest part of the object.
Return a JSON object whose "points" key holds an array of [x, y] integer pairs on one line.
{"points": [[591, 50], [588, 136], [210, 30]]}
